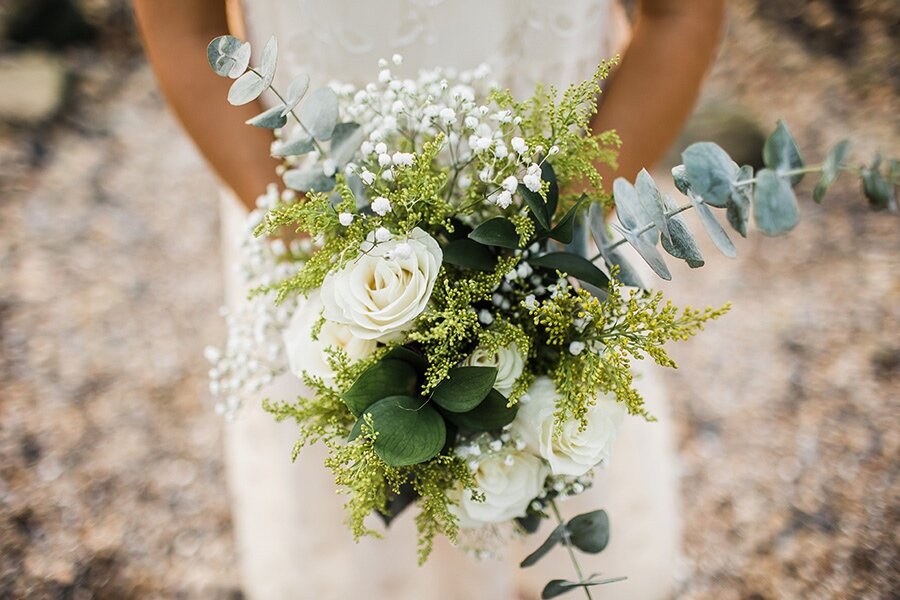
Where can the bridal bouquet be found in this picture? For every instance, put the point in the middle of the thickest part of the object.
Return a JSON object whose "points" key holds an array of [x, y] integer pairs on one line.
{"points": [[463, 350]]}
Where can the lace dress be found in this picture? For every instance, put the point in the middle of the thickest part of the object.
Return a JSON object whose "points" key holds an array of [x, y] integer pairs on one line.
{"points": [[288, 517]]}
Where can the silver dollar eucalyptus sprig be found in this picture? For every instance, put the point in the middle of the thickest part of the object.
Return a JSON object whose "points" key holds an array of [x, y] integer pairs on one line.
{"points": [[712, 180]]}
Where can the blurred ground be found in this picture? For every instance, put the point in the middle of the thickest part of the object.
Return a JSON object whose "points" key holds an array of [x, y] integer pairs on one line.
{"points": [[788, 409]]}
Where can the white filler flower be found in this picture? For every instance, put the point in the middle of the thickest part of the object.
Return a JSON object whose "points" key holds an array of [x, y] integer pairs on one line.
{"points": [[509, 363], [307, 354], [379, 294], [572, 452], [509, 481]]}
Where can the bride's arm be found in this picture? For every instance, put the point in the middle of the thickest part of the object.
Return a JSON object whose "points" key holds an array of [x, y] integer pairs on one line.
{"points": [[652, 92], [176, 33]]}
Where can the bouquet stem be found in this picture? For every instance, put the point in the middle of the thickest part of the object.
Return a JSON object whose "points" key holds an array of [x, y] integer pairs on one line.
{"points": [[568, 544]]}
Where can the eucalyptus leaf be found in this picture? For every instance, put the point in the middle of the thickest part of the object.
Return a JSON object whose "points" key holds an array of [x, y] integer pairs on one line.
{"points": [[627, 274], [556, 536], [877, 189], [536, 205], [269, 119], [408, 431], [558, 587], [464, 388], [319, 114], [833, 163], [589, 532], [385, 378], [311, 179], [647, 250], [679, 175], [469, 254], [629, 209], [573, 265], [228, 56], [710, 172], [297, 146], [345, 141], [295, 92], [683, 244], [358, 188], [775, 209], [269, 60], [246, 88], [738, 211], [530, 523], [498, 231], [493, 413], [713, 227], [652, 203], [780, 152]]}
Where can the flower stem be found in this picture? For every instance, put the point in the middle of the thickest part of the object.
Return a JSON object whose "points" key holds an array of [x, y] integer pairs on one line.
{"points": [[568, 544]]}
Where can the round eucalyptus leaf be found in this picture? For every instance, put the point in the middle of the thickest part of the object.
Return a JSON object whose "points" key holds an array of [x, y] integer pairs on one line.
{"points": [[492, 413], [651, 202], [345, 141], [269, 119], [775, 209], [834, 161], [309, 180], [877, 189], [710, 172], [319, 114], [297, 146], [589, 532], [683, 244], [780, 152], [228, 56], [295, 92], [385, 378], [464, 388], [409, 431], [246, 88], [269, 60], [738, 211], [679, 175]]}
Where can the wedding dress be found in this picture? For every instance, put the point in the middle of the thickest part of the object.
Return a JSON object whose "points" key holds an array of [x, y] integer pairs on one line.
{"points": [[288, 519]]}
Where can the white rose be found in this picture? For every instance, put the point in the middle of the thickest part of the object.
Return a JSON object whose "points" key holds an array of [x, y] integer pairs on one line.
{"points": [[509, 482], [572, 452], [508, 361], [307, 354], [379, 294]]}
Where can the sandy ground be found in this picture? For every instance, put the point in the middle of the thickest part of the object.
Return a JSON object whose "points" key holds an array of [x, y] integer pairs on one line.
{"points": [[111, 483]]}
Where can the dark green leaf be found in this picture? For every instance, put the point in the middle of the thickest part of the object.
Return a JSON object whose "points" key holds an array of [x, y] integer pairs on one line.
{"points": [[710, 172], [491, 414], [270, 119], [384, 378], [589, 532], [834, 162], [498, 231], [228, 56], [407, 355], [775, 209], [297, 146], [780, 152], [464, 388], [409, 431], [738, 211], [554, 538], [530, 522], [309, 180], [397, 503], [469, 254], [549, 175], [713, 227], [877, 189], [319, 114], [564, 231], [558, 587], [536, 205], [652, 203], [574, 265]]}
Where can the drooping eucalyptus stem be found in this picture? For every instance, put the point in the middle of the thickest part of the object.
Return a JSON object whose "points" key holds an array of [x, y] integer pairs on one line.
{"points": [[568, 544], [281, 98]]}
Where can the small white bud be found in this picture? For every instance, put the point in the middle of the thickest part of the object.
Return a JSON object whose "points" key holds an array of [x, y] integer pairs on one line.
{"points": [[387, 175], [510, 184], [519, 145], [366, 148], [329, 167], [503, 199], [397, 59], [576, 348], [383, 235], [380, 147], [368, 177], [554, 150], [381, 205], [384, 160], [345, 218], [530, 302], [485, 317]]}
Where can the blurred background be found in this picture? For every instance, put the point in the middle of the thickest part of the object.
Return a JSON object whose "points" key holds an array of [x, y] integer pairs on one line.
{"points": [[111, 482]]}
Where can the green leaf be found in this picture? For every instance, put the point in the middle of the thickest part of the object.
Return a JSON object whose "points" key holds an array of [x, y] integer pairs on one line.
{"points": [[713, 228], [536, 205], [549, 175], [738, 211], [589, 532], [385, 378], [552, 540], [564, 230], [780, 152], [297, 146], [269, 119], [311, 179], [631, 214], [469, 254], [651, 202], [491, 414], [319, 114], [710, 172], [345, 141], [683, 244], [464, 388], [627, 273], [498, 231], [409, 431], [775, 210], [407, 355], [530, 523], [834, 161], [558, 587], [228, 56], [876, 188], [247, 88], [574, 265], [295, 92], [679, 175]]}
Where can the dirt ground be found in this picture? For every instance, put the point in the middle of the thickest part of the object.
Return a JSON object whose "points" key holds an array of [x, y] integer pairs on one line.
{"points": [[111, 481]]}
